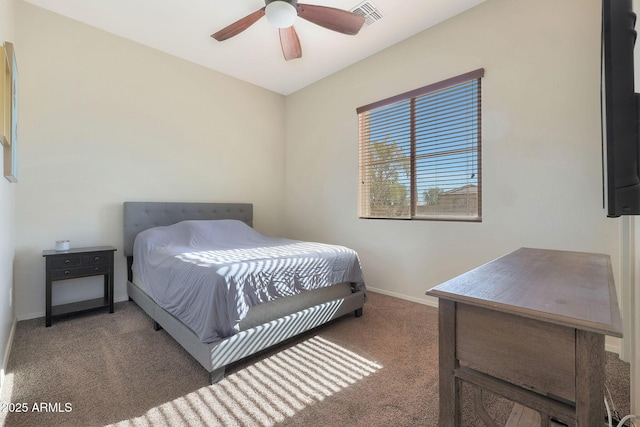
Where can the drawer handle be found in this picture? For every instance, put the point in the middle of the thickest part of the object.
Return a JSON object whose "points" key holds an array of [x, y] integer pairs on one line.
{"points": [[97, 258], [96, 268], [67, 272], [67, 261]]}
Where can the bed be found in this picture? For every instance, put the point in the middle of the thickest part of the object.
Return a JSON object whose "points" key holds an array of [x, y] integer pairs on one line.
{"points": [[258, 325]]}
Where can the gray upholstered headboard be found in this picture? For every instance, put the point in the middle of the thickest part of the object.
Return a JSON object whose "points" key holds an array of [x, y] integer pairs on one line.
{"points": [[139, 216]]}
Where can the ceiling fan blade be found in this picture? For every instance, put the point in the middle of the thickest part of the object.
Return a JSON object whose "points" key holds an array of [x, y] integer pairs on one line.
{"points": [[339, 20], [290, 43], [238, 26]]}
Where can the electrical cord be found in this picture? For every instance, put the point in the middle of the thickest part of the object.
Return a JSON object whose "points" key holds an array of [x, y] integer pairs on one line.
{"points": [[623, 420], [613, 404], [616, 414]]}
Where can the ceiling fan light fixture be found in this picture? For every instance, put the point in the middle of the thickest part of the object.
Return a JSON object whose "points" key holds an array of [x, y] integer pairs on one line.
{"points": [[281, 14]]}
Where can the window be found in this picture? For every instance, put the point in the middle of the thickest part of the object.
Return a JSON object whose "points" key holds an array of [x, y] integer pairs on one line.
{"points": [[420, 153]]}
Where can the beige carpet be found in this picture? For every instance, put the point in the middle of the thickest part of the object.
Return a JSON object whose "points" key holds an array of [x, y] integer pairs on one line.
{"points": [[113, 369]]}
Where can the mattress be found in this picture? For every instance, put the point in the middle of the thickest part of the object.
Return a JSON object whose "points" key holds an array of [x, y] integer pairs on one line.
{"points": [[208, 274]]}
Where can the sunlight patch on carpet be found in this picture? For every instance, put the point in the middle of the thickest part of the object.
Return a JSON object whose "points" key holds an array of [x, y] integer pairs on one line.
{"points": [[267, 392]]}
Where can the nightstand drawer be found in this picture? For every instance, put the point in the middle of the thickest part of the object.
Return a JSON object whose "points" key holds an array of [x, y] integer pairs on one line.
{"points": [[95, 259], [69, 273], [66, 261]]}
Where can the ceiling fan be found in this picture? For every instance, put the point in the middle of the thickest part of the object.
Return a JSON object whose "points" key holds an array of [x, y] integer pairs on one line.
{"points": [[282, 14]]}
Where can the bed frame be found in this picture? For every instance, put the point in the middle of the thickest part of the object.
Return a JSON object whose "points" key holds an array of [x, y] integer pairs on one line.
{"points": [[265, 325]]}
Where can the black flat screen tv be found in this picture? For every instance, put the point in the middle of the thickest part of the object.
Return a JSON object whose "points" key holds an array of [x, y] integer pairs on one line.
{"points": [[620, 107]]}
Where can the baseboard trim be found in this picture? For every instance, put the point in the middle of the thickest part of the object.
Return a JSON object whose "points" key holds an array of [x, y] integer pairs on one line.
{"points": [[7, 352], [39, 314], [613, 347], [430, 301]]}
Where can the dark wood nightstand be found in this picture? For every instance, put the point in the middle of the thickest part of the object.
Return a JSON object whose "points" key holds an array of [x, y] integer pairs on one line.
{"points": [[75, 263]]}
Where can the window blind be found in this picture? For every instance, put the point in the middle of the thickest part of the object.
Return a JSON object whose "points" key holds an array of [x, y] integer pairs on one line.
{"points": [[420, 154]]}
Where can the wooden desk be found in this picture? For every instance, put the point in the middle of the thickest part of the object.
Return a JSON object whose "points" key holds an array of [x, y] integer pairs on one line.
{"points": [[529, 326]]}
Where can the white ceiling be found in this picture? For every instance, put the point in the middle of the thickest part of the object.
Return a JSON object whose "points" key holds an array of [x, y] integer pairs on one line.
{"points": [[183, 27]]}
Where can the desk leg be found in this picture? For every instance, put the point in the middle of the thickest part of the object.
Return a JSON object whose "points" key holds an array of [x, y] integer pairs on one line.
{"points": [[590, 361], [450, 388]]}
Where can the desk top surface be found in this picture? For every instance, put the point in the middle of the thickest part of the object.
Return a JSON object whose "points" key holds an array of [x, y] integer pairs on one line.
{"points": [[574, 289]]}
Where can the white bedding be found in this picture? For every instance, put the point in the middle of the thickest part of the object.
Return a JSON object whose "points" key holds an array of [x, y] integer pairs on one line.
{"points": [[209, 273]]}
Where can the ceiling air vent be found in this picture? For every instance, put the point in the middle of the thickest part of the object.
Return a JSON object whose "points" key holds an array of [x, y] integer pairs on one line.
{"points": [[369, 11]]}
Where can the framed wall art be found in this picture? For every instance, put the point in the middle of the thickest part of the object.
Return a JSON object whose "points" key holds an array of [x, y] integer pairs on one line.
{"points": [[9, 130], [5, 99]]}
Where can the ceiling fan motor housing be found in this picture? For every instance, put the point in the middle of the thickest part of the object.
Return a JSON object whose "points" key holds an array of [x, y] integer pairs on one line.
{"points": [[281, 13], [293, 3]]}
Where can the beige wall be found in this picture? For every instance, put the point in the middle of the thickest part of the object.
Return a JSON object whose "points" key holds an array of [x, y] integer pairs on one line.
{"points": [[541, 148], [7, 219], [105, 120]]}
